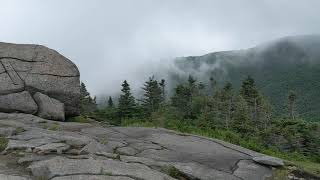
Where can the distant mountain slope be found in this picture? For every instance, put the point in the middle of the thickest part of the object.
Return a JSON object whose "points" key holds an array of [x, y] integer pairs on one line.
{"points": [[277, 66]]}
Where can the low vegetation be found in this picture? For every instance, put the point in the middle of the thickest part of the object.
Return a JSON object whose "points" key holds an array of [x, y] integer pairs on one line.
{"points": [[3, 143], [174, 172], [243, 117]]}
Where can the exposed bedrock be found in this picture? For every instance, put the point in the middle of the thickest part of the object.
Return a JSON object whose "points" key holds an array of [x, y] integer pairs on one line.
{"points": [[49, 108], [71, 151], [36, 68]]}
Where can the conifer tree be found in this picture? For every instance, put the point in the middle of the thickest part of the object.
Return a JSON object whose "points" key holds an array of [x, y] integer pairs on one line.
{"points": [[227, 103], [152, 96], [241, 117], [291, 103], [110, 102], [192, 86], [126, 101], [87, 104], [162, 84], [264, 113], [180, 100], [213, 84], [250, 93]]}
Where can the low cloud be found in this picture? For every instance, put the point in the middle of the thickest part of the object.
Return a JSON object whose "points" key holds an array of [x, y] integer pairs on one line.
{"points": [[115, 40]]}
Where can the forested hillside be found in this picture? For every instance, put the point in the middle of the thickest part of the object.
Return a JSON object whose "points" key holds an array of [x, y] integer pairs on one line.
{"points": [[291, 63], [258, 98]]}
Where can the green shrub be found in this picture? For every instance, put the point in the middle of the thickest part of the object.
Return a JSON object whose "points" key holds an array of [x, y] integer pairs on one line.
{"points": [[80, 119], [172, 171], [3, 143], [55, 127]]}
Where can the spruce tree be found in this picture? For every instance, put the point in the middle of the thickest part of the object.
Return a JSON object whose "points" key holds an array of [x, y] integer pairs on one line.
{"points": [[87, 104], [180, 100], [264, 113], [162, 84], [250, 93], [241, 117], [227, 103], [126, 101], [152, 96], [291, 103], [110, 102], [213, 84]]}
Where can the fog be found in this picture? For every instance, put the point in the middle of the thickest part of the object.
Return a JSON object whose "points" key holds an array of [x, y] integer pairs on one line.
{"points": [[132, 39]]}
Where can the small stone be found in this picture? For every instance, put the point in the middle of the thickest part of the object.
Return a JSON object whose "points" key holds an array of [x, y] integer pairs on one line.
{"points": [[29, 150], [52, 147]]}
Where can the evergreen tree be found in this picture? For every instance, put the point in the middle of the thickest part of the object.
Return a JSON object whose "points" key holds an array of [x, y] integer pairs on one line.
{"points": [[201, 88], [110, 102], [227, 103], [180, 100], [87, 104], [162, 85], [264, 113], [291, 103], [192, 86], [241, 117], [250, 93], [152, 96], [213, 84], [126, 101], [83, 91]]}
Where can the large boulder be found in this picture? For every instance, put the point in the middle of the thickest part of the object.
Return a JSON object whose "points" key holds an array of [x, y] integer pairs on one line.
{"points": [[36, 68], [18, 102], [49, 108]]}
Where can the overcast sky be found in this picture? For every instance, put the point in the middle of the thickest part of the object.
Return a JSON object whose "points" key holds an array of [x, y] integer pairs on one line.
{"points": [[120, 39]]}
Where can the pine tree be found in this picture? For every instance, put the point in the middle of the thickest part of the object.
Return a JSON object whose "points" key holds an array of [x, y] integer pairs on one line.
{"points": [[162, 84], [291, 103], [152, 96], [126, 101], [241, 117], [201, 88], [83, 91], [87, 104], [180, 100], [250, 93], [192, 86], [110, 102], [213, 84], [227, 103], [264, 113]]}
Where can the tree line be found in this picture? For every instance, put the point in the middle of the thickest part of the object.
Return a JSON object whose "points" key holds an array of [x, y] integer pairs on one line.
{"points": [[207, 106]]}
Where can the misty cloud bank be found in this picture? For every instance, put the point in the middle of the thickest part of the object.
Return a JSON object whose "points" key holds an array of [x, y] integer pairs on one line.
{"points": [[115, 40]]}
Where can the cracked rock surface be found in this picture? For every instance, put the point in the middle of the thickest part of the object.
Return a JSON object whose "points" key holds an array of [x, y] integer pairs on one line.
{"points": [[91, 152], [26, 69]]}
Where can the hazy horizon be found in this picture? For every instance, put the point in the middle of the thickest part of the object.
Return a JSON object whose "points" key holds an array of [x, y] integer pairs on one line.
{"points": [[115, 40]]}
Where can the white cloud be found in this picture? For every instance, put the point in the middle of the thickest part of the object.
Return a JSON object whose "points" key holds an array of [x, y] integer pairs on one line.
{"points": [[120, 39]]}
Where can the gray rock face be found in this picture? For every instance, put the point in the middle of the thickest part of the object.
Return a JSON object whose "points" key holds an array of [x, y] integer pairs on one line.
{"points": [[11, 177], [36, 68], [268, 160], [18, 102], [123, 153], [49, 108]]}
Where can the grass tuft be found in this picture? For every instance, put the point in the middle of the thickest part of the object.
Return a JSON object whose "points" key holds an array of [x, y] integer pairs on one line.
{"points": [[3, 143]]}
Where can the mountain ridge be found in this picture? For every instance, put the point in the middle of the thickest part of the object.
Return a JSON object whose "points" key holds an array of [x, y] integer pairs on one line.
{"points": [[292, 62]]}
